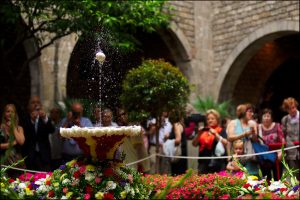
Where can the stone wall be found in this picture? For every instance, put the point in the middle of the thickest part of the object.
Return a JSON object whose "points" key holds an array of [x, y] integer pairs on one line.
{"points": [[234, 20], [184, 18]]}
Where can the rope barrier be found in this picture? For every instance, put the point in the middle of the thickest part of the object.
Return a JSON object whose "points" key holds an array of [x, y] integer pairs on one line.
{"points": [[182, 157], [141, 160], [223, 157], [25, 170]]}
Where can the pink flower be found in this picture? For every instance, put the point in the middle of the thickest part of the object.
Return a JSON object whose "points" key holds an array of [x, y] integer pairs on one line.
{"points": [[38, 176], [97, 180], [26, 177], [87, 196], [130, 178], [65, 190], [82, 169]]}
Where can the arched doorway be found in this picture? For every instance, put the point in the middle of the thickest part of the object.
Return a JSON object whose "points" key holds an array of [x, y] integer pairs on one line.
{"points": [[251, 64], [283, 83]]}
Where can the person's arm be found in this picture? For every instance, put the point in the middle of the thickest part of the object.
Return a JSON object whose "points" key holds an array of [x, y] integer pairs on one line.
{"points": [[19, 135], [280, 134], [231, 134], [195, 141], [284, 125], [229, 166], [177, 130], [218, 137]]}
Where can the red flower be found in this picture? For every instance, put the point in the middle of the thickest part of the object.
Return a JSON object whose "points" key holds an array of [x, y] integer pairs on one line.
{"points": [[48, 182], [246, 185], [77, 174], [283, 189], [51, 193], [108, 172], [11, 180], [108, 196], [256, 189], [89, 189]]}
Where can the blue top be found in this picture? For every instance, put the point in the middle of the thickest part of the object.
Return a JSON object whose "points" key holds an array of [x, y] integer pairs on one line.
{"points": [[251, 166]]}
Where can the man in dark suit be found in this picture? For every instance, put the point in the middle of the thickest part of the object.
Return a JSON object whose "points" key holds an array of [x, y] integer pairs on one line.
{"points": [[37, 127]]}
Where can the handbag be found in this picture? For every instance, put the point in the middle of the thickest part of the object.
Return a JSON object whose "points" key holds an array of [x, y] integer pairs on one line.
{"points": [[170, 149], [248, 149], [219, 150], [177, 152], [258, 148]]}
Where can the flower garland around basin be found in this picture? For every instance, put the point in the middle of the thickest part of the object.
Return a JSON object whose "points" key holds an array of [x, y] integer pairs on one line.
{"points": [[100, 143]]}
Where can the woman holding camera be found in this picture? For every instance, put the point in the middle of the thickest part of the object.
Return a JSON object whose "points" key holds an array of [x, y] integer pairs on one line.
{"points": [[207, 140]]}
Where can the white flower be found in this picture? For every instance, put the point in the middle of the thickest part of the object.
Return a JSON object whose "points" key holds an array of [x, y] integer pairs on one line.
{"points": [[42, 189], [132, 192], [110, 185], [291, 193], [127, 188], [89, 176], [66, 181], [276, 185], [22, 186], [40, 181], [63, 197]]}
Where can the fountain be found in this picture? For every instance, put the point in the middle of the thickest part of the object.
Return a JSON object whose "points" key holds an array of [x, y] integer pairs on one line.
{"points": [[100, 173], [100, 143]]}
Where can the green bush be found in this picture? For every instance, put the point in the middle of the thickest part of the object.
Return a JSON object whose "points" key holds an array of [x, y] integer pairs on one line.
{"points": [[153, 87]]}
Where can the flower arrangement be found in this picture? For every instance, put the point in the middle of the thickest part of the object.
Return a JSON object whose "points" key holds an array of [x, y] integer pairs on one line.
{"points": [[197, 186], [83, 180]]}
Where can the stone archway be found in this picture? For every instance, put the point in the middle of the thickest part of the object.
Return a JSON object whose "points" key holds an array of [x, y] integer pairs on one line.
{"points": [[178, 46], [235, 64]]}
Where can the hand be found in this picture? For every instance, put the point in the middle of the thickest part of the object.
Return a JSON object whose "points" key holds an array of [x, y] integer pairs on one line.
{"points": [[279, 156], [76, 121], [250, 132], [42, 113], [213, 131]]}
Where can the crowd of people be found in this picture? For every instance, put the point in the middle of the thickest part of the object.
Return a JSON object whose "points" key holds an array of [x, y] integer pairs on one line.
{"points": [[36, 138]]}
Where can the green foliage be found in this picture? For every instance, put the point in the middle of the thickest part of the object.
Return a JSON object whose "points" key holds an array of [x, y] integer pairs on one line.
{"points": [[204, 104], [289, 172], [49, 20], [153, 87]]}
